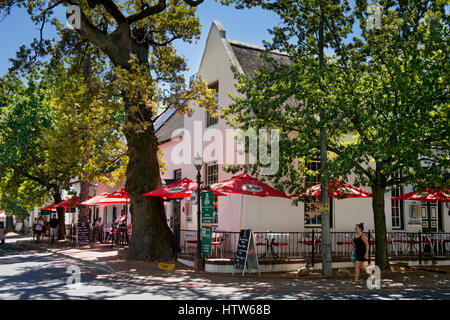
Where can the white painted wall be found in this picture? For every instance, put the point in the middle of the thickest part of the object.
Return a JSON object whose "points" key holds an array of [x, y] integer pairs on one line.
{"points": [[259, 214]]}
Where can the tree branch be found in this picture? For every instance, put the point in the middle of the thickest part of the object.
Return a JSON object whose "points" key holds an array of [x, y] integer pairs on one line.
{"points": [[358, 165], [159, 7], [193, 3], [164, 43], [111, 8], [25, 174]]}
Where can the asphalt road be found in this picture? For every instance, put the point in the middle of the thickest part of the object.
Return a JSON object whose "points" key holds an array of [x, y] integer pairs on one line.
{"points": [[39, 275]]}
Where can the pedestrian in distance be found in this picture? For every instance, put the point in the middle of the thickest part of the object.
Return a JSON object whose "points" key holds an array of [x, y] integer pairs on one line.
{"points": [[361, 250], [123, 217], [113, 231], [33, 227], [53, 224], [2, 232], [122, 225], [99, 228], [44, 228], [39, 229]]}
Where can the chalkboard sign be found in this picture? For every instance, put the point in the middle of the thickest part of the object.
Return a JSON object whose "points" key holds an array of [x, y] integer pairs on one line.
{"points": [[242, 248], [83, 233], [246, 252]]}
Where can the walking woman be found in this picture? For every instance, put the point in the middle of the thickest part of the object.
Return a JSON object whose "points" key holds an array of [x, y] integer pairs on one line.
{"points": [[361, 250]]}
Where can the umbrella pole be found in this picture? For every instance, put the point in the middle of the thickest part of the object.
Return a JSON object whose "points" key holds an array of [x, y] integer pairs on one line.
{"points": [[241, 215]]}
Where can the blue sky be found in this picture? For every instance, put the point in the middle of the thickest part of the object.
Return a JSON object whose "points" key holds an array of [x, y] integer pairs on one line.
{"points": [[243, 25]]}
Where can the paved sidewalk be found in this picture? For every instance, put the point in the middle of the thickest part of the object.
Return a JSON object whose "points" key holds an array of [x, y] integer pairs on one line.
{"points": [[146, 272], [98, 256]]}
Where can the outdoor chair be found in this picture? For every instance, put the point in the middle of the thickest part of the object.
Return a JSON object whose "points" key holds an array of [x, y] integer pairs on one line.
{"points": [[345, 245], [114, 237], [190, 241], [413, 243], [392, 243], [279, 244], [261, 241], [309, 242], [217, 243], [434, 244]]}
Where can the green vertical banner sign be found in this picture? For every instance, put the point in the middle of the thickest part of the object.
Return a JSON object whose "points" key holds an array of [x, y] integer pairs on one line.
{"points": [[207, 221]]}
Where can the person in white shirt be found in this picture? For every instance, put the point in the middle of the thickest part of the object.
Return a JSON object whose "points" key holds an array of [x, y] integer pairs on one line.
{"points": [[39, 228]]}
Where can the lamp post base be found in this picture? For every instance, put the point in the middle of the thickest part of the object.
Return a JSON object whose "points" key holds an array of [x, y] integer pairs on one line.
{"points": [[199, 264]]}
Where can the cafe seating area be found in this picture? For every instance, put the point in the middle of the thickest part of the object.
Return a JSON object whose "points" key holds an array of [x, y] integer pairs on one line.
{"points": [[285, 246]]}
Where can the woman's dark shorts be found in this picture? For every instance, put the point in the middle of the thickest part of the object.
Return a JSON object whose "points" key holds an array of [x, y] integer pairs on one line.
{"points": [[360, 257]]}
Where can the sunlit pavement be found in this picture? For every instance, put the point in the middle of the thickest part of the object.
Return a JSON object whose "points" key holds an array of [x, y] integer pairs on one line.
{"points": [[28, 274]]}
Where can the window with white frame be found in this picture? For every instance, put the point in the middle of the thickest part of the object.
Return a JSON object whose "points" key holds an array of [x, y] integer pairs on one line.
{"points": [[177, 174], [312, 205], [210, 120], [397, 208], [212, 173], [212, 176]]}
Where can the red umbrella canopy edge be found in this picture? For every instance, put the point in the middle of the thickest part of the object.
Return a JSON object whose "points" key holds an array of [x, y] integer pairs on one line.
{"points": [[69, 203], [49, 207], [245, 184], [178, 189], [336, 189], [92, 201], [428, 194]]}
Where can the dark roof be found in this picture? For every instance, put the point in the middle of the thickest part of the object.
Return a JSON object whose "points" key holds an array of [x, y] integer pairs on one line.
{"points": [[170, 123], [249, 59], [247, 56]]}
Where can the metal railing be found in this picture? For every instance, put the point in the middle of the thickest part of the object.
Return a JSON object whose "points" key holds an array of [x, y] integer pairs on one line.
{"points": [[307, 245], [119, 236]]}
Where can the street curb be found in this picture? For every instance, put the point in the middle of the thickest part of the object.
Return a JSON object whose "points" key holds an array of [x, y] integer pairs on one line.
{"points": [[28, 245]]}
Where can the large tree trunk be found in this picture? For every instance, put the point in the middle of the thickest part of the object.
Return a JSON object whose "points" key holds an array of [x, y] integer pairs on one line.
{"points": [[61, 216], [83, 212], [151, 236], [84, 195], [381, 253], [9, 224]]}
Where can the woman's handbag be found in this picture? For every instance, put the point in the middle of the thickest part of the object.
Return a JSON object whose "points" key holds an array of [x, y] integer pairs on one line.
{"points": [[353, 256]]}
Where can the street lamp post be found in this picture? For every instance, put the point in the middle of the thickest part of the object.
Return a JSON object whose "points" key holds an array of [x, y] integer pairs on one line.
{"points": [[198, 163]]}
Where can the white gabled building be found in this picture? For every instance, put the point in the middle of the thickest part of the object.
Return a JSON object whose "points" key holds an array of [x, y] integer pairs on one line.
{"points": [[262, 214]]}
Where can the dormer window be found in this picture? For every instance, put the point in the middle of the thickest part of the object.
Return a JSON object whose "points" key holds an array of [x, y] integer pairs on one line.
{"points": [[210, 120]]}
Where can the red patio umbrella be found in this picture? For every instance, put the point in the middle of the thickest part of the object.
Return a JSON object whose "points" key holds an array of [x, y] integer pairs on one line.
{"points": [[69, 203], [93, 201], [178, 189], [336, 189], [116, 197], [245, 184], [428, 194], [49, 207]]}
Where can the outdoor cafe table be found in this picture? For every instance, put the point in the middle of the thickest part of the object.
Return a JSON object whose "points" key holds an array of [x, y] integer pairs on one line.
{"points": [[272, 243]]}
